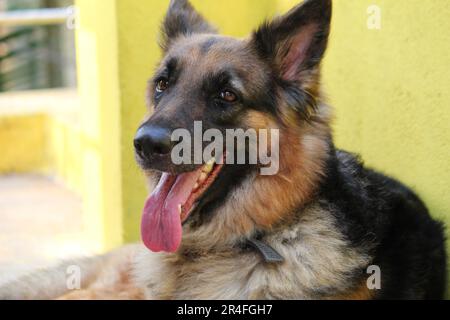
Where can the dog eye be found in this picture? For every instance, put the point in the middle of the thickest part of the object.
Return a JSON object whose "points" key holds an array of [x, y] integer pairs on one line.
{"points": [[228, 96], [162, 85]]}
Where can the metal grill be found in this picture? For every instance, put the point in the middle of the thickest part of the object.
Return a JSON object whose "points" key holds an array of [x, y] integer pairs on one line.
{"points": [[36, 47]]}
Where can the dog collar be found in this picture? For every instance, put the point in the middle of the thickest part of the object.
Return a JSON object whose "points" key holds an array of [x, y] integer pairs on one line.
{"points": [[269, 254]]}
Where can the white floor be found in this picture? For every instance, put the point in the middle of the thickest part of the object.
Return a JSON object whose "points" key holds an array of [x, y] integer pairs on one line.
{"points": [[40, 224]]}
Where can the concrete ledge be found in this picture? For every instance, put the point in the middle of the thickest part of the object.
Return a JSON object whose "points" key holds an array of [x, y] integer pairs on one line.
{"points": [[55, 101], [23, 143], [40, 133]]}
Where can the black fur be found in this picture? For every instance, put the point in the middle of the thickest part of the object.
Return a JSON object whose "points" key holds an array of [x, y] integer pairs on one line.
{"points": [[274, 40], [389, 221], [182, 19], [275, 37]]}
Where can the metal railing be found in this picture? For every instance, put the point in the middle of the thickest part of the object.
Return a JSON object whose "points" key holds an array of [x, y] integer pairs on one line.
{"points": [[34, 17], [25, 60]]}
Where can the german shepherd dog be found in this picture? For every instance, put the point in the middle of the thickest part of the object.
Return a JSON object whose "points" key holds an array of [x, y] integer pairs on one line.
{"points": [[314, 230]]}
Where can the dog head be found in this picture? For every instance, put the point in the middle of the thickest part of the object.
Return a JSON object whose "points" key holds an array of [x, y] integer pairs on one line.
{"points": [[212, 83]]}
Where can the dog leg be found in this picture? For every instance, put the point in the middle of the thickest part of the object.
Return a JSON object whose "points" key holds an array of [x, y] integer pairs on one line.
{"points": [[103, 274]]}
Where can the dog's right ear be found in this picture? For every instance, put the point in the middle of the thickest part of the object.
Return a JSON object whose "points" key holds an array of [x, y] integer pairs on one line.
{"points": [[182, 19]]}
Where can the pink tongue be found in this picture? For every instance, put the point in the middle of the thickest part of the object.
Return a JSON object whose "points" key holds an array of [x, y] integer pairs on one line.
{"points": [[161, 227]]}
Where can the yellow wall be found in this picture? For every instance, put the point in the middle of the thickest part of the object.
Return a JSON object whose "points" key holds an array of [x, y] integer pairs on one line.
{"points": [[389, 88], [23, 143], [391, 91], [138, 54], [40, 134], [65, 147], [98, 75]]}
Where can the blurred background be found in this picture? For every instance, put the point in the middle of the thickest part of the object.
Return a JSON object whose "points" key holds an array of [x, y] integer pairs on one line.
{"points": [[72, 93], [41, 213]]}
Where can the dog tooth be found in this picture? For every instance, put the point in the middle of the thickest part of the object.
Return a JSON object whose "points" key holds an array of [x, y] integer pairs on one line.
{"points": [[180, 209], [209, 165], [196, 186], [207, 168]]}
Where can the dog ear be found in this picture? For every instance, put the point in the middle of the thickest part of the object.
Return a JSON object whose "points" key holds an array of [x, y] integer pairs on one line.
{"points": [[183, 19], [296, 42]]}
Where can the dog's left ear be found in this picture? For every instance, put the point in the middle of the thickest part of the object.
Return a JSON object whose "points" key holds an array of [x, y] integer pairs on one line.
{"points": [[296, 42], [183, 19]]}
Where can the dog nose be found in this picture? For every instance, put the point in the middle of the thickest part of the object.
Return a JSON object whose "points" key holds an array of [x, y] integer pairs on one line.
{"points": [[152, 140]]}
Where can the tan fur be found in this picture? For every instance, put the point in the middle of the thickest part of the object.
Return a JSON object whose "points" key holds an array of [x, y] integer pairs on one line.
{"points": [[114, 282], [316, 256], [103, 277], [188, 50], [360, 293], [302, 155]]}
